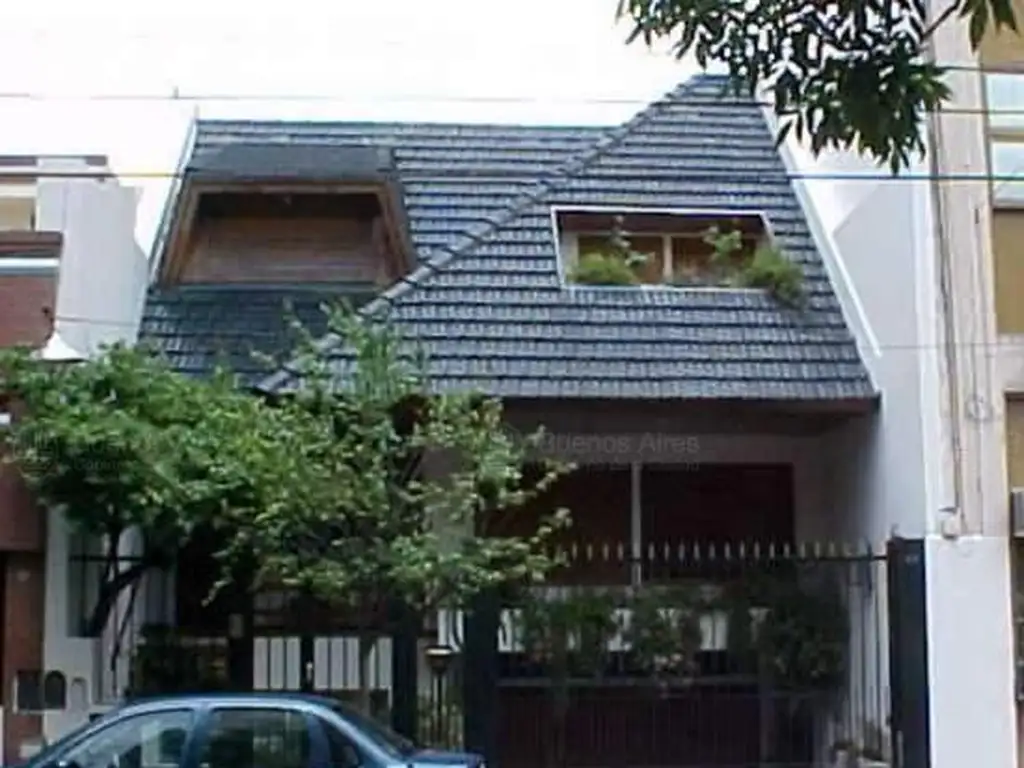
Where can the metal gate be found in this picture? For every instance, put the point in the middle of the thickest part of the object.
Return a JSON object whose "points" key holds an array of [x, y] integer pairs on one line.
{"points": [[862, 694]]}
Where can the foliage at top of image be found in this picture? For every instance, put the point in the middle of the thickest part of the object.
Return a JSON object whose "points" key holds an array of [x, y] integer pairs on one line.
{"points": [[852, 75]]}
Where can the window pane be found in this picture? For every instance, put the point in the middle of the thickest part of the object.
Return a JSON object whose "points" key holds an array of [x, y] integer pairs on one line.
{"points": [[1008, 172], [154, 740], [1005, 96], [343, 752], [256, 738]]}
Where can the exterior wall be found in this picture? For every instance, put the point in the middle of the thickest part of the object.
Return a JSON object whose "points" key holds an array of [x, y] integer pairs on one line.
{"points": [[27, 292], [1008, 251], [16, 213], [241, 236], [1004, 49], [104, 273], [933, 465], [1005, 52], [283, 251], [23, 596], [878, 247], [102, 283]]}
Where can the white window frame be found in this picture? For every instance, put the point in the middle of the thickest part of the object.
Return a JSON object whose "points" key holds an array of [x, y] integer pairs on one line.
{"points": [[1004, 108], [1007, 160], [567, 239]]}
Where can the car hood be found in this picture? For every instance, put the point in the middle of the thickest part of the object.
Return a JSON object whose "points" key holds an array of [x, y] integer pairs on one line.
{"points": [[440, 757]]}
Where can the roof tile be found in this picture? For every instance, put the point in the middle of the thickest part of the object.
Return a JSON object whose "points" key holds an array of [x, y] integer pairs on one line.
{"points": [[489, 305]]}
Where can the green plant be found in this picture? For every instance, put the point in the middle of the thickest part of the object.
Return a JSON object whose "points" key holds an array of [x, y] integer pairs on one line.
{"points": [[767, 268], [604, 269], [848, 753], [162, 663], [124, 445], [851, 76], [441, 726], [770, 269], [617, 264], [571, 634], [372, 525], [801, 638], [664, 633]]}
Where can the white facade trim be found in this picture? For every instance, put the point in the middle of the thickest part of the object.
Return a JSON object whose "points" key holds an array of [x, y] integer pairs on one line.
{"points": [[849, 298]]}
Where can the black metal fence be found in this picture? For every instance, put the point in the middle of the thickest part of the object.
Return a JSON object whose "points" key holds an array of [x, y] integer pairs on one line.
{"points": [[655, 655], [679, 655]]}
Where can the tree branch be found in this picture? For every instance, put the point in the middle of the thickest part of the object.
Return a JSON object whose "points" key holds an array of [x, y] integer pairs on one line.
{"points": [[940, 20], [110, 590]]}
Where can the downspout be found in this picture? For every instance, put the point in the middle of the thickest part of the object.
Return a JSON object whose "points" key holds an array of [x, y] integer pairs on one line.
{"points": [[952, 517]]}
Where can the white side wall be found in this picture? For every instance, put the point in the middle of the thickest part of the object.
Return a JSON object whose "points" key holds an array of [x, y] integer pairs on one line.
{"points": [[103, 271], [970, 602], [99, 299], [906, 475], [879, 255]]}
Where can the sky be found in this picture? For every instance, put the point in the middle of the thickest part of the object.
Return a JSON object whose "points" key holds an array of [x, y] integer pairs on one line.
{"points": [[99, 77]]}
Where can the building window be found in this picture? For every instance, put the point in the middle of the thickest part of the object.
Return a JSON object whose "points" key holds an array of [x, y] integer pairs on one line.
{"points": [[270, 737], [1007, 173], [637, 248], [1004, 97]]}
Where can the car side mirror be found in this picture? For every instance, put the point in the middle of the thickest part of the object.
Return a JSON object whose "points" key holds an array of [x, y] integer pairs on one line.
{"points": [[64, 764]]}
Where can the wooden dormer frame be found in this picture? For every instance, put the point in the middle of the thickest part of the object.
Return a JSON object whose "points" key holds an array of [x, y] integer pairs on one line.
{"points": [[182, 231]]}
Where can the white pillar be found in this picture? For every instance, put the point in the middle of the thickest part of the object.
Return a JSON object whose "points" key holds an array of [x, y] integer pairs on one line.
{"points": [[969, 598]]}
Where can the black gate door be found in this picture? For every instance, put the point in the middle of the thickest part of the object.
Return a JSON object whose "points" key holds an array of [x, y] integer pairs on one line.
{"points": [[908, 653]]}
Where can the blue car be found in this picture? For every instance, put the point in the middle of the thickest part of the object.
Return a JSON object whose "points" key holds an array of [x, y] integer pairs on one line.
{"points": [[240, 731]]}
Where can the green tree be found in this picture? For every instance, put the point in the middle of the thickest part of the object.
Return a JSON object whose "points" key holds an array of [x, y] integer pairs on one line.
{"points": [[851, 74], [127, 447], [411, 492]]}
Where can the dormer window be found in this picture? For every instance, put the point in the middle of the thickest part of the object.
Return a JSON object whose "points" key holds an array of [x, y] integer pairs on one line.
{"points": [[659, 249], [688, 250], [288, 214]]}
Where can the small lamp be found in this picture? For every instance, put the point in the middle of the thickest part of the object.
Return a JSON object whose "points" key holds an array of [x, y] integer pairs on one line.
{"points": [[439, 658], [56, 350]]}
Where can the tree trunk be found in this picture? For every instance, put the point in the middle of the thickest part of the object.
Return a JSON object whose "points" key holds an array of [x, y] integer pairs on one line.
{"points": [[365, 649], [110, 590]]}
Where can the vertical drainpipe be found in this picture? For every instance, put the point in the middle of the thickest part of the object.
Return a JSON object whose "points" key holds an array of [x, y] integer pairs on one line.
{"points": [[951, 512]]}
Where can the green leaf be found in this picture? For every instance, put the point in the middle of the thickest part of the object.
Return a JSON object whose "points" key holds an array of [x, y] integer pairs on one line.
{"points": [[978, 24], [839, 77]]}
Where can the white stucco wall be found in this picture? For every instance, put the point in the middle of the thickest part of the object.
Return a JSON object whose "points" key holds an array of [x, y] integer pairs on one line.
{"points": [[103, 271], [99, 297], [905, 475]]}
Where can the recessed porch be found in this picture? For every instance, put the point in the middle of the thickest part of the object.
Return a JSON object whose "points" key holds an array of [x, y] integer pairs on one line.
{"points": [[699, 496]]}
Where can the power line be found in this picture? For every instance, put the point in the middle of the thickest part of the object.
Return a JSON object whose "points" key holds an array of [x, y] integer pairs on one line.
{"points": [[534, 175], [177, 96]]}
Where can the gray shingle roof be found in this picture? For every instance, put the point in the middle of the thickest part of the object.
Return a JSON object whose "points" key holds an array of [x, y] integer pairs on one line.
{"points": [[275, 160], [488, 303], [454, 178], [200, 327]]}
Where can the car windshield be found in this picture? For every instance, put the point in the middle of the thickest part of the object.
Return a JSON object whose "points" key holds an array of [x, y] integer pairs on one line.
{"points": [[46, 754], [380, 734]]}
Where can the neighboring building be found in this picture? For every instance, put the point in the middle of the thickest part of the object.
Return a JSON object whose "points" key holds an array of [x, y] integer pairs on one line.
{"points": [[1002, 89], [71, 279], [933, 274], [29, 262], [684, 387]]}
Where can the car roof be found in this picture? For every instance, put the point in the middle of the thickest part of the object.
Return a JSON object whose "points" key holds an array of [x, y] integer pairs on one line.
{"points": [[276, 698]]}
